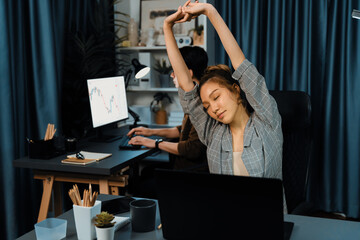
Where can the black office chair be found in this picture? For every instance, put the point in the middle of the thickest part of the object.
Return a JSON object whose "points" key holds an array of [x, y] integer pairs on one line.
{"points": [[295, 111]]}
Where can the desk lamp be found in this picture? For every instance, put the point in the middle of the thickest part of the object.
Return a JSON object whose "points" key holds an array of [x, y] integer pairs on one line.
{"points": [[140, 72], [356, 14]]}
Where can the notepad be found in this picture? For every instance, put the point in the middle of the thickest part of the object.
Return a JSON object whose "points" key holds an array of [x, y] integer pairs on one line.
{"points": [[78, 161], [90, 157]]}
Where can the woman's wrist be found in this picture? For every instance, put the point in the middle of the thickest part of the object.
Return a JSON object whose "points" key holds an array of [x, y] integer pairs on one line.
{"points": [[153, 132], [167, 24], [210, 10]]}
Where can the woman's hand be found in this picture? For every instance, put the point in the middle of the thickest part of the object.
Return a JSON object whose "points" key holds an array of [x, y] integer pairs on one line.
{"points": [[138, 140], [140, 131]]}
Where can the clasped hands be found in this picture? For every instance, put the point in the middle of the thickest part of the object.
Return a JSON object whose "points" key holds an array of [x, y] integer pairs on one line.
{"points": [[187, 12]]}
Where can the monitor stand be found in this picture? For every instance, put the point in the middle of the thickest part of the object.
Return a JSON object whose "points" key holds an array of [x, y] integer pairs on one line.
{"points": [[101, 137], [136, 120]]}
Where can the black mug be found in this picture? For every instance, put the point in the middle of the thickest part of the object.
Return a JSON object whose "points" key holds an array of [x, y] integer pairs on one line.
{"points": [[70, 144], [143, 212]]}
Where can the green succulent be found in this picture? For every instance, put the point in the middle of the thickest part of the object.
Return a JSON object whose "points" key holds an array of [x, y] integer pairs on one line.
{"points": [[103, 220]]}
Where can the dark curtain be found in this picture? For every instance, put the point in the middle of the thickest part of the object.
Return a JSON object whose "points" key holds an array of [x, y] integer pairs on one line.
{"points": [[32, 37], [31, 34], [89, 53], [311, 46], [39, 39]]}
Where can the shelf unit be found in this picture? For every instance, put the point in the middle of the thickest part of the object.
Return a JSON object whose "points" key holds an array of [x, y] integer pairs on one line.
{"points": [[145, 49], [140, 96], [168, 90]]}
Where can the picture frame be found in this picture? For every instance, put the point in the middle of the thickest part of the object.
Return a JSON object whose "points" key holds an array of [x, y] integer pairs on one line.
{"points": [[153, 14]]}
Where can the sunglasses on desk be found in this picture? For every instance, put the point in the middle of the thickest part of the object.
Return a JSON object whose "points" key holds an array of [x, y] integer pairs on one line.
{"points": [[79, 156]]}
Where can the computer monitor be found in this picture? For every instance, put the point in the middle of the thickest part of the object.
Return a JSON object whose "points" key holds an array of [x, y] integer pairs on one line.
{"points": [[108, 103]]}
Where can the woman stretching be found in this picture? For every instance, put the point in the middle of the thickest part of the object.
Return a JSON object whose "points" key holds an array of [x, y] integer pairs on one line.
{"points": [[234, 114]]}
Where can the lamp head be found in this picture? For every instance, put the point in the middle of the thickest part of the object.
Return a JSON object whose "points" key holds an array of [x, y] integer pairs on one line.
{"points": [[140, 70], [356, 14]]}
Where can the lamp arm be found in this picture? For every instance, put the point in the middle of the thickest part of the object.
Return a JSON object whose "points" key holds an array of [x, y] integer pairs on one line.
{"points": [[127, 77]]}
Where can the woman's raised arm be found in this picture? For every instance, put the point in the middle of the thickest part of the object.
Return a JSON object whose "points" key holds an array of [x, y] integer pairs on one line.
{"points": [[229, 42], [177, 62]]}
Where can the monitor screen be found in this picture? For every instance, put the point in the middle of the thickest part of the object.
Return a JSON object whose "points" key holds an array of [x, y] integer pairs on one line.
{"points": [[107, 100]]}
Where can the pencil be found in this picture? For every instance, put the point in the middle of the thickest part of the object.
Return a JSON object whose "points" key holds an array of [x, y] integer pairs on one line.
{"points": [[95, 195], [46, 132], [73, 199], [84, 198], [90, 192], [77, 194]]}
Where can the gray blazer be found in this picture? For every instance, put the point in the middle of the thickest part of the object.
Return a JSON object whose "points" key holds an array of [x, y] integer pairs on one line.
{"points": [[263, 139]]}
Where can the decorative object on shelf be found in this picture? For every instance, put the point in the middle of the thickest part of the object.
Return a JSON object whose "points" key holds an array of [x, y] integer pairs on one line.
{"points": [[133, 33], [150, 37], [183, 41], [198, 35], [105, 229], [153, 14], [157, 107], [164, 69]]}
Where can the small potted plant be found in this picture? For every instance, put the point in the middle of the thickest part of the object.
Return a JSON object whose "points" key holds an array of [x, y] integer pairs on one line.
{"points": [[105, 229], [198, 35], [164, 69], [157, 107]]}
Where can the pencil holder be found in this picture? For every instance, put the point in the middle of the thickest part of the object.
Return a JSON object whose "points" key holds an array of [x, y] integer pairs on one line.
{"points": [[84, 220], [41, 149]]}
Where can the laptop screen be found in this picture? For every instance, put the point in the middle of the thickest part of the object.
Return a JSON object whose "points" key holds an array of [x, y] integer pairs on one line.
{"points": [[208, 206]]}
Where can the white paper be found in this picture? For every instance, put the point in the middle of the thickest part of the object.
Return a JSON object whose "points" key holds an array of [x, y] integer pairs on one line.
{"points": [[91, 155]]}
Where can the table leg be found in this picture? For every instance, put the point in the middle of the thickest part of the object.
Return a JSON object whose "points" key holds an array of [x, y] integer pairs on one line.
{"points": [[104, 186], [114, 190], [45, 200], [58, 198]]}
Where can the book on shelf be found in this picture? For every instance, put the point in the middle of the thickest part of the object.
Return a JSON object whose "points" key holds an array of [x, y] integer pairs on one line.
{"points": [[176, 118], [174, 123], [176, 114]]}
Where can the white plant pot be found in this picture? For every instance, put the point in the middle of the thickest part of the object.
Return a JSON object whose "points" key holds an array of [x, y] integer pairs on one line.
{"points": [[105, 233]]}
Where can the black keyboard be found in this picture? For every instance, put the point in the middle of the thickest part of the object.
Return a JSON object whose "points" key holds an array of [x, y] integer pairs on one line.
{"points": [[124, 144]]}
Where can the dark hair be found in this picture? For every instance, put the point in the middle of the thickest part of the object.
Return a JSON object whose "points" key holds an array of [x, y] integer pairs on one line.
{"points": [[195, 59], [221, 74]]}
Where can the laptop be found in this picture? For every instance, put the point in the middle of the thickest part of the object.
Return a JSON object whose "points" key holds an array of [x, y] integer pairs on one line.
{"points": [[212, 206]]}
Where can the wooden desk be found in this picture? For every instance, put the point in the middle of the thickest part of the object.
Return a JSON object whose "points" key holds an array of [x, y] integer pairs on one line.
{"points": [[108, 173]]}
